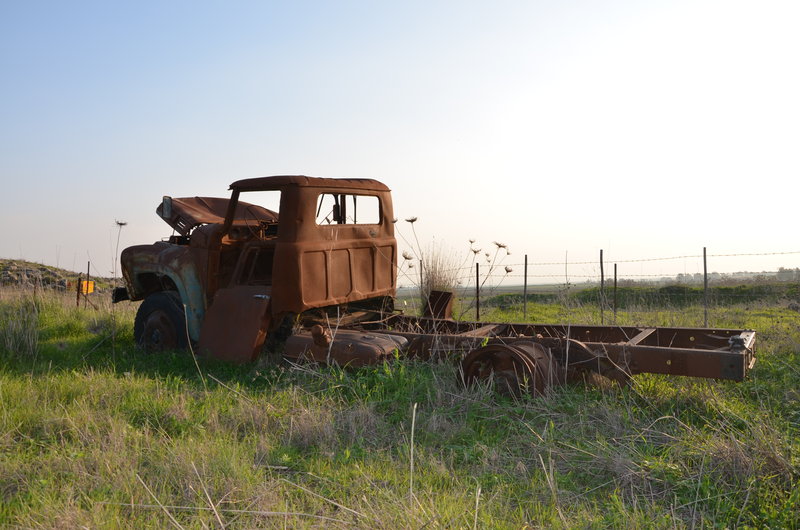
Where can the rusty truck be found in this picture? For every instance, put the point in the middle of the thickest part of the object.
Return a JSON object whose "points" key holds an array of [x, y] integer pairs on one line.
{"points": [[317, 280]]}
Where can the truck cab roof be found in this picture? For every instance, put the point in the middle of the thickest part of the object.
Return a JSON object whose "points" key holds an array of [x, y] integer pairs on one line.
{"points": [[281, 181]]}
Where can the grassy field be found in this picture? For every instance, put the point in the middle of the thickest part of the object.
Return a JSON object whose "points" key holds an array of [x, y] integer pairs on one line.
{"points": [[95, 433]]}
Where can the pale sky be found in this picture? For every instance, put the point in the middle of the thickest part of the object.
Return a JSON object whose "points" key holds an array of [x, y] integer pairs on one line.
{"points": [[560, 128]]}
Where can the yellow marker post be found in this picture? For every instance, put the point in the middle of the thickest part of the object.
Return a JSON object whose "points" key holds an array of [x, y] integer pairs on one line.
{"points": [[87, 287]]}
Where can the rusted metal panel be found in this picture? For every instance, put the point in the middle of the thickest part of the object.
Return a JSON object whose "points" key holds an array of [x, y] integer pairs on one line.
{"points": [[678, 361], [282, 181], [487, 330], [327, 265], [344, 347], [439, 305], [235, 326], [165, 267], [185, 213], [711, 353], [641, 336], [616, 352], [514, 367]]}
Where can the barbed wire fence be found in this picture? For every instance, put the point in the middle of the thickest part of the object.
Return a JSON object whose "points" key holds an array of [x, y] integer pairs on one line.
{"points": [[489, 281]]}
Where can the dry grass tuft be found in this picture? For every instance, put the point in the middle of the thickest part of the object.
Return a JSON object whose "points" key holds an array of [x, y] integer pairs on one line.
{"points": [[245, 417], [440, 270], [361, 424], [605, 418], [760, 454], [308, 428], [627, 474], [13, 482], [19, 326], [440, 424]]}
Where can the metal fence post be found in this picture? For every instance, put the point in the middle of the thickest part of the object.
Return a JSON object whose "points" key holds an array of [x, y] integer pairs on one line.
{"points": [[525, 292], [615, 293], [602, 290], [86, 296], [477, 291], [705, 289]]}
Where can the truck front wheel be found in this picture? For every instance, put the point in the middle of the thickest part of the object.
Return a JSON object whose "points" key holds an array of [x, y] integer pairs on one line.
{"points": [[160, 323]]}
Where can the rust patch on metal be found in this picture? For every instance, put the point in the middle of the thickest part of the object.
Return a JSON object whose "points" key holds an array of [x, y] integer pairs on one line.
{"points": [[514, 368], [439, 305], [186, 213], [235, 327], [344, 347]]}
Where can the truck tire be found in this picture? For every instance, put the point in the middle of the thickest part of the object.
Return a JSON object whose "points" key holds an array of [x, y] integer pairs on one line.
{"points": [[161, 323]]}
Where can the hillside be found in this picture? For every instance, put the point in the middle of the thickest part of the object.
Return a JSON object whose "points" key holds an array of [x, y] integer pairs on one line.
{"points": [[17, 272]]}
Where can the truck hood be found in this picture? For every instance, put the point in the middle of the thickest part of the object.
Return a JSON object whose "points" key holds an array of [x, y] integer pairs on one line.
{"points": [[188, 212]]}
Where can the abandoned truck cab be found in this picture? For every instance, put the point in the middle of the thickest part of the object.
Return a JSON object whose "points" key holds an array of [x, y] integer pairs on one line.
{"points": [[234, 271]]}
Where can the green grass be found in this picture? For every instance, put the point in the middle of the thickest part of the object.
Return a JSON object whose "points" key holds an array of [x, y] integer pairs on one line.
{"points": [[652, 296], [96, 433]]}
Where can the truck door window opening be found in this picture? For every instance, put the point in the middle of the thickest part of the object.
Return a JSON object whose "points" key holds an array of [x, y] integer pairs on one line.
{"points": [[342, 208]]}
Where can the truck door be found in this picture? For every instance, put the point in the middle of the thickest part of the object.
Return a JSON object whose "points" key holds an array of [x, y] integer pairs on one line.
{"points": [[237, 322]]}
